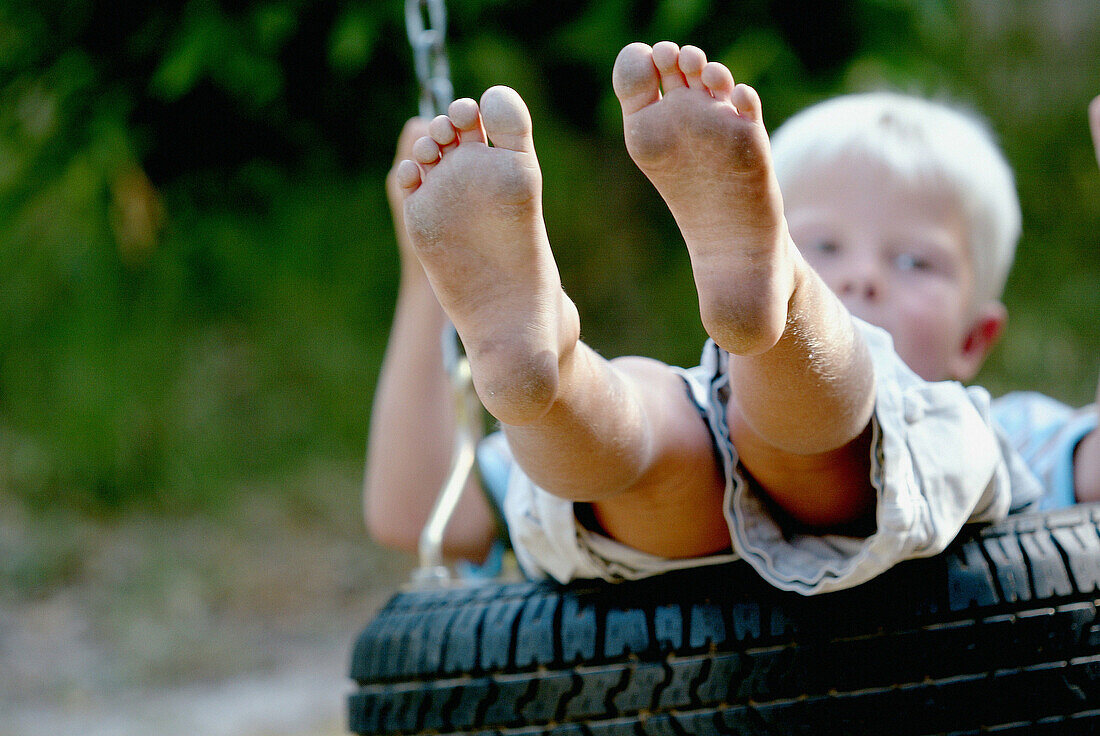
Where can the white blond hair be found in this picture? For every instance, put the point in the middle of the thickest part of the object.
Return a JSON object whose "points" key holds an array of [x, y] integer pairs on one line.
{"points": [[923, 143]]}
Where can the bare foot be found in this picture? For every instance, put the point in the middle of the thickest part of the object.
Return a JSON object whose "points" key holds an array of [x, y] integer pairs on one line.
{"points": [[703, 145], [474, 216]]}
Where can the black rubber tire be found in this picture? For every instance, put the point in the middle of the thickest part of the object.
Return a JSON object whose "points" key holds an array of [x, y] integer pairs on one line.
{"points": [[997, 635]]}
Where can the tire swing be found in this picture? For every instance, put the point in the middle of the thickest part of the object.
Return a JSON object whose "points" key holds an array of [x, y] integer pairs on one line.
{"points": [[998, 634]]}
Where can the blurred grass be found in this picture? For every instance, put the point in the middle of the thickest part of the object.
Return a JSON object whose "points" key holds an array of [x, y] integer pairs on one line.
{"points": [[242, 343], [197, 269]]}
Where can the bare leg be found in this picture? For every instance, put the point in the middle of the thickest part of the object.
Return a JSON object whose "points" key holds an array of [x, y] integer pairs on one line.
{"points": [[801, 380], [621, 434], [412, 418], [1094, 125]]}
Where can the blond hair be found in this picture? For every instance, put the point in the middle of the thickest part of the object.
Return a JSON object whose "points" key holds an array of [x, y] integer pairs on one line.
{"points": [[923, 143]]}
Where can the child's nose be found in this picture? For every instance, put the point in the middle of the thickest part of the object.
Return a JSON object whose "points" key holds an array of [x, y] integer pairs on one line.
{"points": [[861, 281], [865, 289]]}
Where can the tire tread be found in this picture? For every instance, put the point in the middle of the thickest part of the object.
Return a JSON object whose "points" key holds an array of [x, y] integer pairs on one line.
{"points": [[960, 643]]}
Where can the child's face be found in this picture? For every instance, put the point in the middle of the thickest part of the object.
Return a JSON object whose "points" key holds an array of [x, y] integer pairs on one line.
{"points": [[897, 256]]}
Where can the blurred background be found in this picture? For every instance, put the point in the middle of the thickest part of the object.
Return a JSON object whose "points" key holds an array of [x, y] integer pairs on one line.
{"points": [[197, 273]]}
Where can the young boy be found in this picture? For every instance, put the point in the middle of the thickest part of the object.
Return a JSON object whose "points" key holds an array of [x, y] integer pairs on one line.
{"points": [[802, 443]]}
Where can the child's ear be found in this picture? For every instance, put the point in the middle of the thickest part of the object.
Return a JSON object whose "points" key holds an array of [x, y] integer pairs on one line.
{"points": [[985, 330]]}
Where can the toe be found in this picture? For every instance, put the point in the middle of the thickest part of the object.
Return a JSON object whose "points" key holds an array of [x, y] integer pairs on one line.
{"points": [[665, 57], [414, 128], [692, 61], [443, 133], [747, 102], [407, 175], [466, 117], [507, 121], [717, 78], [426, 152], [636, 80]]}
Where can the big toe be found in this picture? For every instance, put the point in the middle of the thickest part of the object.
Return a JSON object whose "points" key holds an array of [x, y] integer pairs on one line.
{"points": [[635, 78], [507, 120]]}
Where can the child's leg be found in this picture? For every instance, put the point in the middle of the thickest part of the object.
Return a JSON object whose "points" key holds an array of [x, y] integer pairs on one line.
{"points": [[474, 213], [1094, 125], [412, 418], [622, 433], [801, 379]]}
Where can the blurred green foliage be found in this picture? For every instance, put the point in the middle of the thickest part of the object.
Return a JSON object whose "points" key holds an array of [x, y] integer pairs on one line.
{"points": [[197, 267]]}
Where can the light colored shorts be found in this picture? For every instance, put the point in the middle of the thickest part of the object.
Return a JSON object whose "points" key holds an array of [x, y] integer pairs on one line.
{"points": [[937, 463]]}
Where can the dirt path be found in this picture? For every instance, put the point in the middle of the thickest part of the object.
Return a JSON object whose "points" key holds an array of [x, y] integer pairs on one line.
{"points": [[302, 697], [241, 625]]}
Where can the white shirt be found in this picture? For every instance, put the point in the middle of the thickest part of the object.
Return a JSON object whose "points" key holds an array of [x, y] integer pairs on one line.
{"points": [[938, 462]]}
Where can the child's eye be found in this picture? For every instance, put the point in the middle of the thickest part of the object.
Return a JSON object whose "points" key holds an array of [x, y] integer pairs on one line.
{"points": [[826, 247], [912, 262]]}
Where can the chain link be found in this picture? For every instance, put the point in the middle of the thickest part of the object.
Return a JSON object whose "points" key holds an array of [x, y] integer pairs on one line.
{"points": [[433, 72], [426, 25], [428, 41]]}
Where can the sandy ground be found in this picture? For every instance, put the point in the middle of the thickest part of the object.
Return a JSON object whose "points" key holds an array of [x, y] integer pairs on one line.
{"points": [[239, 625], [300, 698]]}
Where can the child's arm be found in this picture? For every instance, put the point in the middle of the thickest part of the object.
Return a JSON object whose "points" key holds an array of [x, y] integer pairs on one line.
{"points": [[1086, 465], [1086, 460], [412, 422]]}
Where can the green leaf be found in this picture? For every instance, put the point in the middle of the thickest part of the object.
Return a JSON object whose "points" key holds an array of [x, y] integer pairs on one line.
{"points": [[273, 25], [753, 53], [353, 39], [677, 18], [254, 79], [598, 34], [186, 63]]}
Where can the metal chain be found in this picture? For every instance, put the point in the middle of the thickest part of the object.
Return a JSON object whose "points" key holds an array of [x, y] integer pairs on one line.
{"points": [[426, 25], [433, 72], [430, 54]]}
